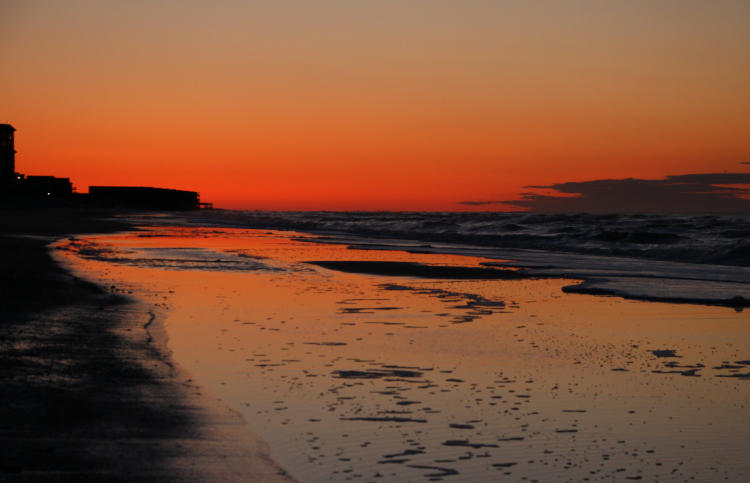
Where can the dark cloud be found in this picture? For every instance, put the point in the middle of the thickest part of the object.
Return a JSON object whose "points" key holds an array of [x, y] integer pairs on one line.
{"points": [[687, 193]]}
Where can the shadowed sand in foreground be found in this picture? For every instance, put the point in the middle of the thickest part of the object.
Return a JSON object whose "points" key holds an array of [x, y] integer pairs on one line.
{"points": [[89, 390]]}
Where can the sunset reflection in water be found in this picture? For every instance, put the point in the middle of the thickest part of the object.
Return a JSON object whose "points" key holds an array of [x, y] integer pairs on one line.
{"points": [[374, 378]]}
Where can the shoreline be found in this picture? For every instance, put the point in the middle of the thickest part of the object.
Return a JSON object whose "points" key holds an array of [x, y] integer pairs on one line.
{"points": [[347, 374], [625, 278], [90, 390]]}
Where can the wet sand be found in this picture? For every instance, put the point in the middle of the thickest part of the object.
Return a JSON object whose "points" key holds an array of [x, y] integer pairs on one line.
{"points": [[89, 390], [412, 269], [391, 377]]}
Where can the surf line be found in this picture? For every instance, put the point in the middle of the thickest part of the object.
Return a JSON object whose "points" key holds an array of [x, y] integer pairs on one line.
{"points": [[150, 341]]}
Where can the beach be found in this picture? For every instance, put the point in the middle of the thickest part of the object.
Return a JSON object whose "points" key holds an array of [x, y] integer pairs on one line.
{"points": [[90, 391], [375, 242], [389, 360]]}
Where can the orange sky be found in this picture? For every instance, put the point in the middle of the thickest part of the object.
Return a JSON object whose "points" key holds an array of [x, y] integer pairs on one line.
{"points": [[373, 105]]}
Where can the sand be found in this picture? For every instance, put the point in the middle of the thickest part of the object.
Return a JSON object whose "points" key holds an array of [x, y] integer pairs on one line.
{"points": [[89, 391], [375, 377]]}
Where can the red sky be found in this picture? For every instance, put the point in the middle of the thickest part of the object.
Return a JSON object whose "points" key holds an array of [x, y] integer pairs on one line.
{"points": [[373, 105]]}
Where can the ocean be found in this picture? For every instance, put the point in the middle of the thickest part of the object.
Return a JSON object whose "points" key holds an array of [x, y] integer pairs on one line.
{"points": [[702, 238], [456, 346]]}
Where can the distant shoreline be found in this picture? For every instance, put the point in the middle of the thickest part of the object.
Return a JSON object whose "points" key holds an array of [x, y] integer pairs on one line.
{"points": [[87, 394]]}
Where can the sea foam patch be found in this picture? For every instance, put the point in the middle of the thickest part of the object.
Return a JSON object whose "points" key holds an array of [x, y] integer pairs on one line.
{"points": [[170, 258]]}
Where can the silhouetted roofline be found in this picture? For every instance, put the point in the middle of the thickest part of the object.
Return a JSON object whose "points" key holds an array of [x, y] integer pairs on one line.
{"points": [[7, 127], [134, 188]]}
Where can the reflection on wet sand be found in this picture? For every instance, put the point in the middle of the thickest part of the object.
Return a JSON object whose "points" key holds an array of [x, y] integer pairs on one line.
{"points": [[387, 377]]}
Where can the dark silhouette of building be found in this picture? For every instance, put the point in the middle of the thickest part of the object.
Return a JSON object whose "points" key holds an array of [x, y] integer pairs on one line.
{"points": [[17, 186], [8, 175], [12, 183], [143, 198], [49, 186]]}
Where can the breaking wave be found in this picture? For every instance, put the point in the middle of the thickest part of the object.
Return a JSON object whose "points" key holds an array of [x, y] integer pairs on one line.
{"points": [[714, 239]]}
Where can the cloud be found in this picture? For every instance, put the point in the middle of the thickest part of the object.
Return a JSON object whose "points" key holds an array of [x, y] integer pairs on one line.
{"points": [[686, 193]]}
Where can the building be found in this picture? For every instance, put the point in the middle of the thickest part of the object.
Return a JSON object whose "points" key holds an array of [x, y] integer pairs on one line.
{"points": [[17, 186], [143, 198], [8, 175], [49, 186]]}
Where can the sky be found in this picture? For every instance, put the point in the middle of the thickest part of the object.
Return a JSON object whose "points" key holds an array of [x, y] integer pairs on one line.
{"points": [[375, 105]]}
